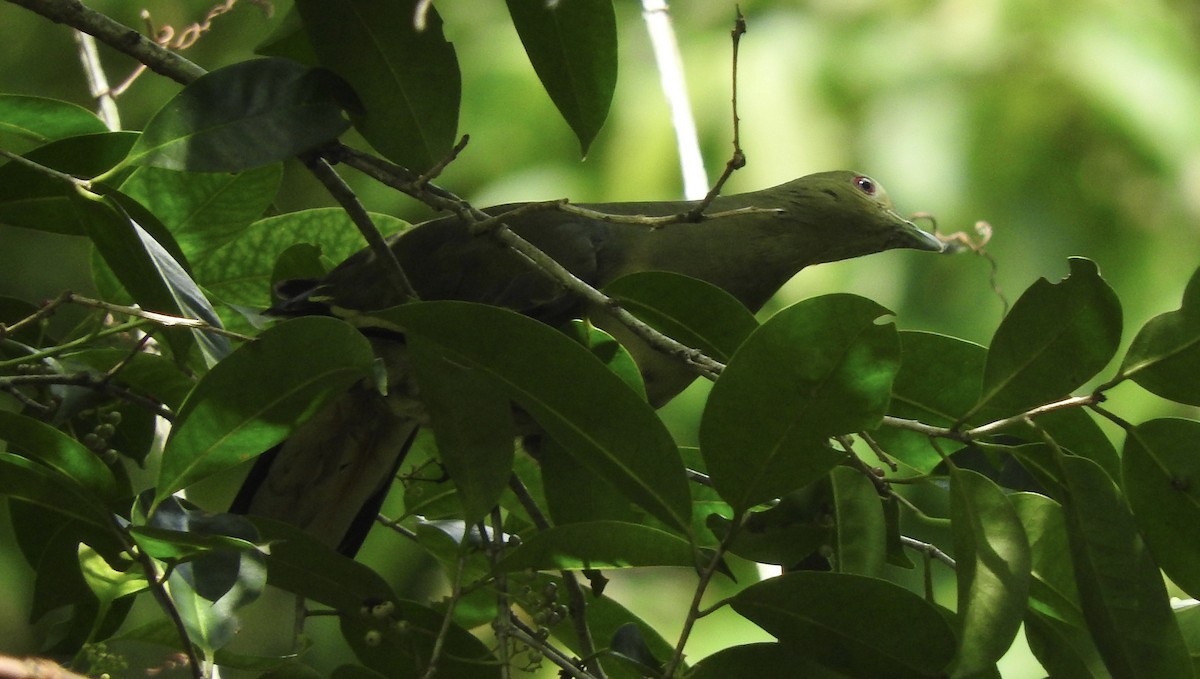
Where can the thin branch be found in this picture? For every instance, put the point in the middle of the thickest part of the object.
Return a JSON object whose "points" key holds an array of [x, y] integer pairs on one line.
{"points": [[928, 549], [577, 601], [344, 195], [394, 525], [738, 160], [165, 320], [502, 624], [455, 592], [157, 582], [97, 80], [1064, 404], [694, 613], [878, 450], [87, 380], [521, 632]]}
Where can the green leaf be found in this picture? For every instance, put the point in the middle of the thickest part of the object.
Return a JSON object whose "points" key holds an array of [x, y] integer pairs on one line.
{"points": [[1055, 338], [26, 480], [1122, 592], [938, 382], [33, 200], [1164, 357], [573, 48], [1062, 649], [692, 311], [471, 418], [788, 532], [256, 396], [58, 451], [993, 571], [600, 545], [857, 625], [573, 492], [148, 374], [204, 210], [1052, 589], [407, 79], [240, 272], [860, 548], [606, 348], [44, 120], [761, 661], [151, 267], [818, 368], [1161, 478], [584, 407], [243, 116]]}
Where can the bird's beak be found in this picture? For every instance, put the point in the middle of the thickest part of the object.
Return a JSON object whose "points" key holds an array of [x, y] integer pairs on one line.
{"points": [[911, 237]]}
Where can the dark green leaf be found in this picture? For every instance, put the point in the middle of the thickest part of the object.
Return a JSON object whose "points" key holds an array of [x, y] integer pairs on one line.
{"points": [[145, 258], [938, 382], [1057, 336], [1122, 592], [407, 79], [45, 120], [148, 374], [860, 548], [1161, 477], [243, 116], [629, 645], [610, 352], [1165, 355], [1052, 589], [993, 571], [58, 451], [761, 661], [251, 400], [573, 48], [800, 523], [33, 200], [601, 545], [1062, 649], [580, 404], [204, 210], [37, 484], [853, 624], [573, 492], [472, 423], [818, 368], [696, 313]]}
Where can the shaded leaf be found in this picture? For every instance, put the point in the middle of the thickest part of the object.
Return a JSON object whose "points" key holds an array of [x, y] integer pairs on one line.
{"points": [[1161, 478], [822, 615], [573, 48], [406, 79], [1063, 650], [610, 352], [818, 368], [584, 407], [1055, 338], [762, 661], [37, 484], [256, 396], [1164, 357], [1052, 589], [600, 545], [993, 570], [938, 382], [471, 418], [243, 116], [694, 312], [1123, 596], [860, 548]]}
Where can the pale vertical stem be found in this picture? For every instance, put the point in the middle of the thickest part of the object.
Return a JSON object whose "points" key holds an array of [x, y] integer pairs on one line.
{"points": [[670, 71], [89, 56]]}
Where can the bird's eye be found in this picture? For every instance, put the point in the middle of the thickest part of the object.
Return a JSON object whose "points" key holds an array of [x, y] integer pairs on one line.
{"points": [[866, 185]]}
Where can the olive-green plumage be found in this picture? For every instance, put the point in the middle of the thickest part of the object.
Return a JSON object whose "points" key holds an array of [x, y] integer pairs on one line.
{"points": [[818, 218]]}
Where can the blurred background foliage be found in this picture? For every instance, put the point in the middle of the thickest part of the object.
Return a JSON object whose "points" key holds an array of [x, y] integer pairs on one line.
{"points": [[1071, 127]]}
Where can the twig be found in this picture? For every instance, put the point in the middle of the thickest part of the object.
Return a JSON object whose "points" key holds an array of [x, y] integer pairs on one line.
{"points": [[394, 524], [928, 549], [344, 195], [577, 601], [1072, 402], [502, 624], [521, 632], [87, 380], [156, 581], [694, 614], [157, 318], [738, 160], [878, 450], [455, 592], [97, 81]]}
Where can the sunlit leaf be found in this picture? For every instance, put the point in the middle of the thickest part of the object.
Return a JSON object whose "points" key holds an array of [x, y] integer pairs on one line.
{"points": [[43, 120], [58, 451], [821, 367], [1165, 355]]}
